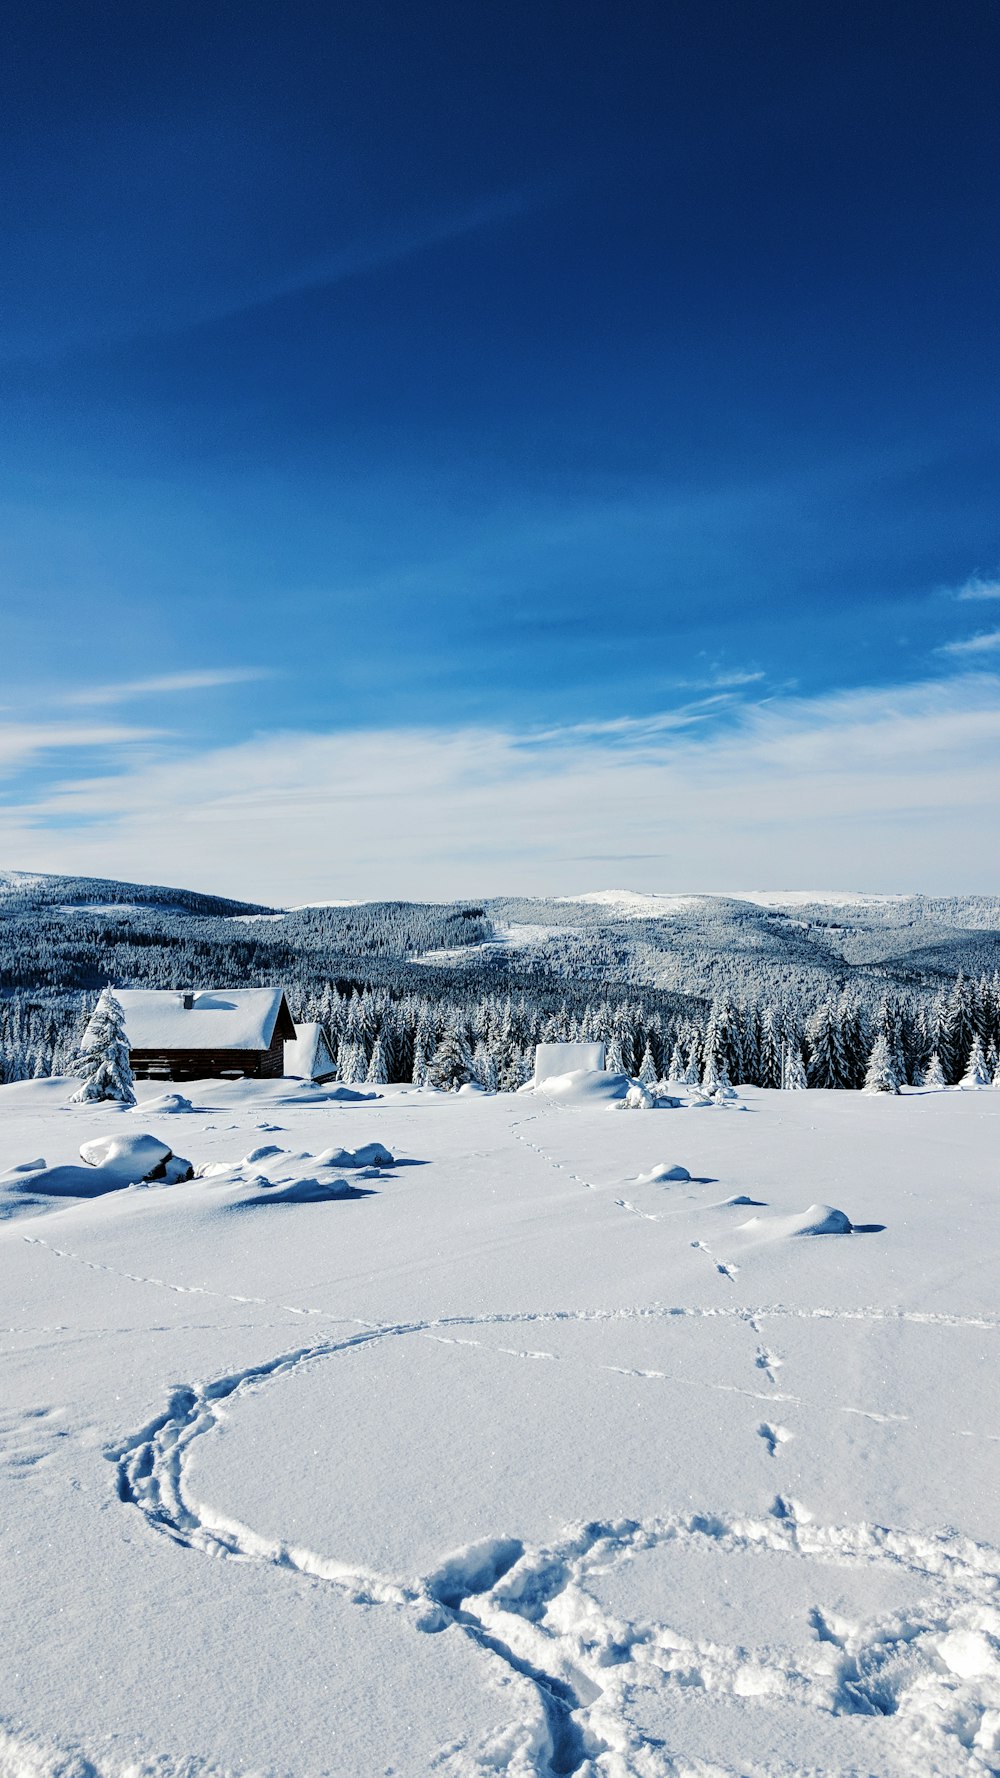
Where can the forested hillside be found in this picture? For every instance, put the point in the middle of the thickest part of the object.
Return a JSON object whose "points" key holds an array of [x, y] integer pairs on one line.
{"points": [[676, 985]]}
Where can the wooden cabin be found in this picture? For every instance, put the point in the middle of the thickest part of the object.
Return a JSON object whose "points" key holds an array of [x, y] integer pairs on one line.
{"points": [[206, 1033]]}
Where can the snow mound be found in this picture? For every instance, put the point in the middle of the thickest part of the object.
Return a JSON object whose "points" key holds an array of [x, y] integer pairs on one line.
{"points": [[638, 1098], [131, 1157], [168, 1104], [819, 1219], [371, 1154], [584, 1086], [273, 1175], [661, 1172], [299, 1191]]}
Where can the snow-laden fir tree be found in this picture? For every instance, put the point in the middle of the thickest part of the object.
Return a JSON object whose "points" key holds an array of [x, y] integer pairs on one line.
{"points": [[934, 1073], [648, 1073], [881, 1076], [692, 1073], [450, 1066], [614, 1061], [103, 1060], [484, 1068], [976, 1072], [419, 1074], [377, 1073], [351, 1062], [795, 1069], [675, 1072], [827, 1062]]}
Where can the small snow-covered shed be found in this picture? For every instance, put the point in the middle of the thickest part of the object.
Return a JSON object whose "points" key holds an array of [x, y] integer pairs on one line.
{"points": [[308, 1054], [553, 1059], [201, 1034]]}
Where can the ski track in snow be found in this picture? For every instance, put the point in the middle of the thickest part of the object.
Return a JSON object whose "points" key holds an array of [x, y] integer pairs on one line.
{"points": [[529, 1608]]}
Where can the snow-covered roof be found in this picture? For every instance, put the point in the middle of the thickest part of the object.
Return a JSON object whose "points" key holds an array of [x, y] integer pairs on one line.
{"points": [[553, 1059], [216, 1019], [308, 1054]]}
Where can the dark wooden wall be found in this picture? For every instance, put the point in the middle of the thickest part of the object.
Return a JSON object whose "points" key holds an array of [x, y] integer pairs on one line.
{"points": [[266, 1064]]}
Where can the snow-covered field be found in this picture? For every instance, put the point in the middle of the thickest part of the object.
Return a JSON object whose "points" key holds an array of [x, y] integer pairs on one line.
{"points": [[519, 1457]]}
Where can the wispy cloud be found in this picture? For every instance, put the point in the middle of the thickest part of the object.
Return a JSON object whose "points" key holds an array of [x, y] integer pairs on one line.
{"points": [[164, 684], [21, 743], [888, 790], [978, 588], [982, 644]]}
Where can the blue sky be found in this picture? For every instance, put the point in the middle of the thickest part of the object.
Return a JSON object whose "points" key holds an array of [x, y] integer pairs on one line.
{"points": [[604, 388]]}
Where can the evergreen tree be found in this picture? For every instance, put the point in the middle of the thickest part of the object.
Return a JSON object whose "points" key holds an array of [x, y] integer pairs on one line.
{"points": [[675, 1073], [103, 1060], [484, 1067], [795, 1069], [451, 1064], [614, 1061], [881, 1076], [377, 1073], [976, 1073], [934, 1073], [648, 1073], [827, 1062], [692, 1073], [419, 1074]]}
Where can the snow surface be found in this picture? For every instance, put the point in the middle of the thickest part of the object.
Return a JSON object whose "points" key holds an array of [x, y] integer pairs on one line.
{"points": [[515, 1455]]}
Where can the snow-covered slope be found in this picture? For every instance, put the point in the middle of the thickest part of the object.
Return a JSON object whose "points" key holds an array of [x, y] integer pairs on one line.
{"points": [[519, 1455]]}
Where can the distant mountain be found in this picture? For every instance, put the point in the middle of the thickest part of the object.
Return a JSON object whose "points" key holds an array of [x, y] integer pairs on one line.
{"points": [[801, 943], [77, 932], [32, 889]]}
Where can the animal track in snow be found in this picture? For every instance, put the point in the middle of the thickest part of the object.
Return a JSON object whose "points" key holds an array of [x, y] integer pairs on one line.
{"points": [[725, 1271], [774, 1436]]}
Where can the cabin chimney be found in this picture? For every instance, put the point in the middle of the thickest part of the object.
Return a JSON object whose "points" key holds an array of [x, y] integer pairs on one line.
{"points": [[187, 1002]]}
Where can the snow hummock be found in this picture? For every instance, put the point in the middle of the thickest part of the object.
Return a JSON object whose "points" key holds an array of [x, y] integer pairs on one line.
{"points": [[132, 1156]]}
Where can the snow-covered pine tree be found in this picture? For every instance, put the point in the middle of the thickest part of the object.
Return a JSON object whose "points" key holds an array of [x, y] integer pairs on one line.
{"points": [[769, 1048], [450, 1066], [976, 1072], [614, 1061], [881, 1076], [377, 1074], [795, 1069], [419, 1074], [675, 1072], [692, 1073], [352, 1065], [484, 1069], [103, 1060], [827, 1062], [647, 1067], [933, 1073]]}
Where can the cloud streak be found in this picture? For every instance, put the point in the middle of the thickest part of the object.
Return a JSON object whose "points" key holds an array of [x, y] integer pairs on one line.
{"points": [[982, 644], [166, 684], [882, 790], [978, 588]]}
